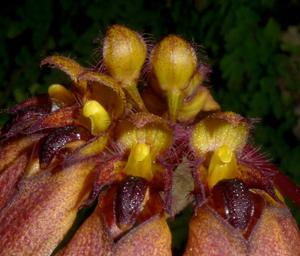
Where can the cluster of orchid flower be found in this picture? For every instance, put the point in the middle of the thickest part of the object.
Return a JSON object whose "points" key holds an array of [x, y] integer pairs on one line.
{"points": [[119, 138]]}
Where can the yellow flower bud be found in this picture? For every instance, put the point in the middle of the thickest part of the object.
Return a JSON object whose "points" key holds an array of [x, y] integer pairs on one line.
{"points": [[124, 53], [173, 62]]}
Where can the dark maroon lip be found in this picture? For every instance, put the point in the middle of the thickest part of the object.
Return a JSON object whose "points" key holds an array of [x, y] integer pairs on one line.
{"points": [[130, 196], [55, 141], [240, 207]]}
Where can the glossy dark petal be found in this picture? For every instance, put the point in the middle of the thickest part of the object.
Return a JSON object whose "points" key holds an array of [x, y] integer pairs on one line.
{"points": [[56, 140], [233, 201], [130, 196]]}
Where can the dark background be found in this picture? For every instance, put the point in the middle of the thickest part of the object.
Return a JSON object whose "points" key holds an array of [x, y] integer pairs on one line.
{"points": [[253, 47]]}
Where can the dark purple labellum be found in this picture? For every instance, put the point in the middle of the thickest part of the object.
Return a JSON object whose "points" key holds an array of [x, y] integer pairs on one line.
{"points": [[233, 200], [56, 140], [129, 200]]}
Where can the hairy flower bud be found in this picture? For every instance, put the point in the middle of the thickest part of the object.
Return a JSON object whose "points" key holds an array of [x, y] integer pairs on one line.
{"points": [[124, 53], [173, 62]]}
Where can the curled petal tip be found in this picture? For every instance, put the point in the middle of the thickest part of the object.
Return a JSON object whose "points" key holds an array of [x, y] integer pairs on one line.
{"points": [[99, 117], [67, 65]]}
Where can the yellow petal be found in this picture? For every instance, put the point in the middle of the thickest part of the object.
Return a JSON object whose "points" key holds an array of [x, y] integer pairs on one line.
{"points": [[192, 107], [220, 129], [152, 237], [43, 210], [194, 84], [202, 100], [94, 147], [210, 104], [146, 129]]}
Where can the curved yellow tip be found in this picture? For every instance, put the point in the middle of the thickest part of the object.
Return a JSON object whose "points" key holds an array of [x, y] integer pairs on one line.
{"points": [[139, 162], [61, 94], [100, 119], [222, 166]]}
